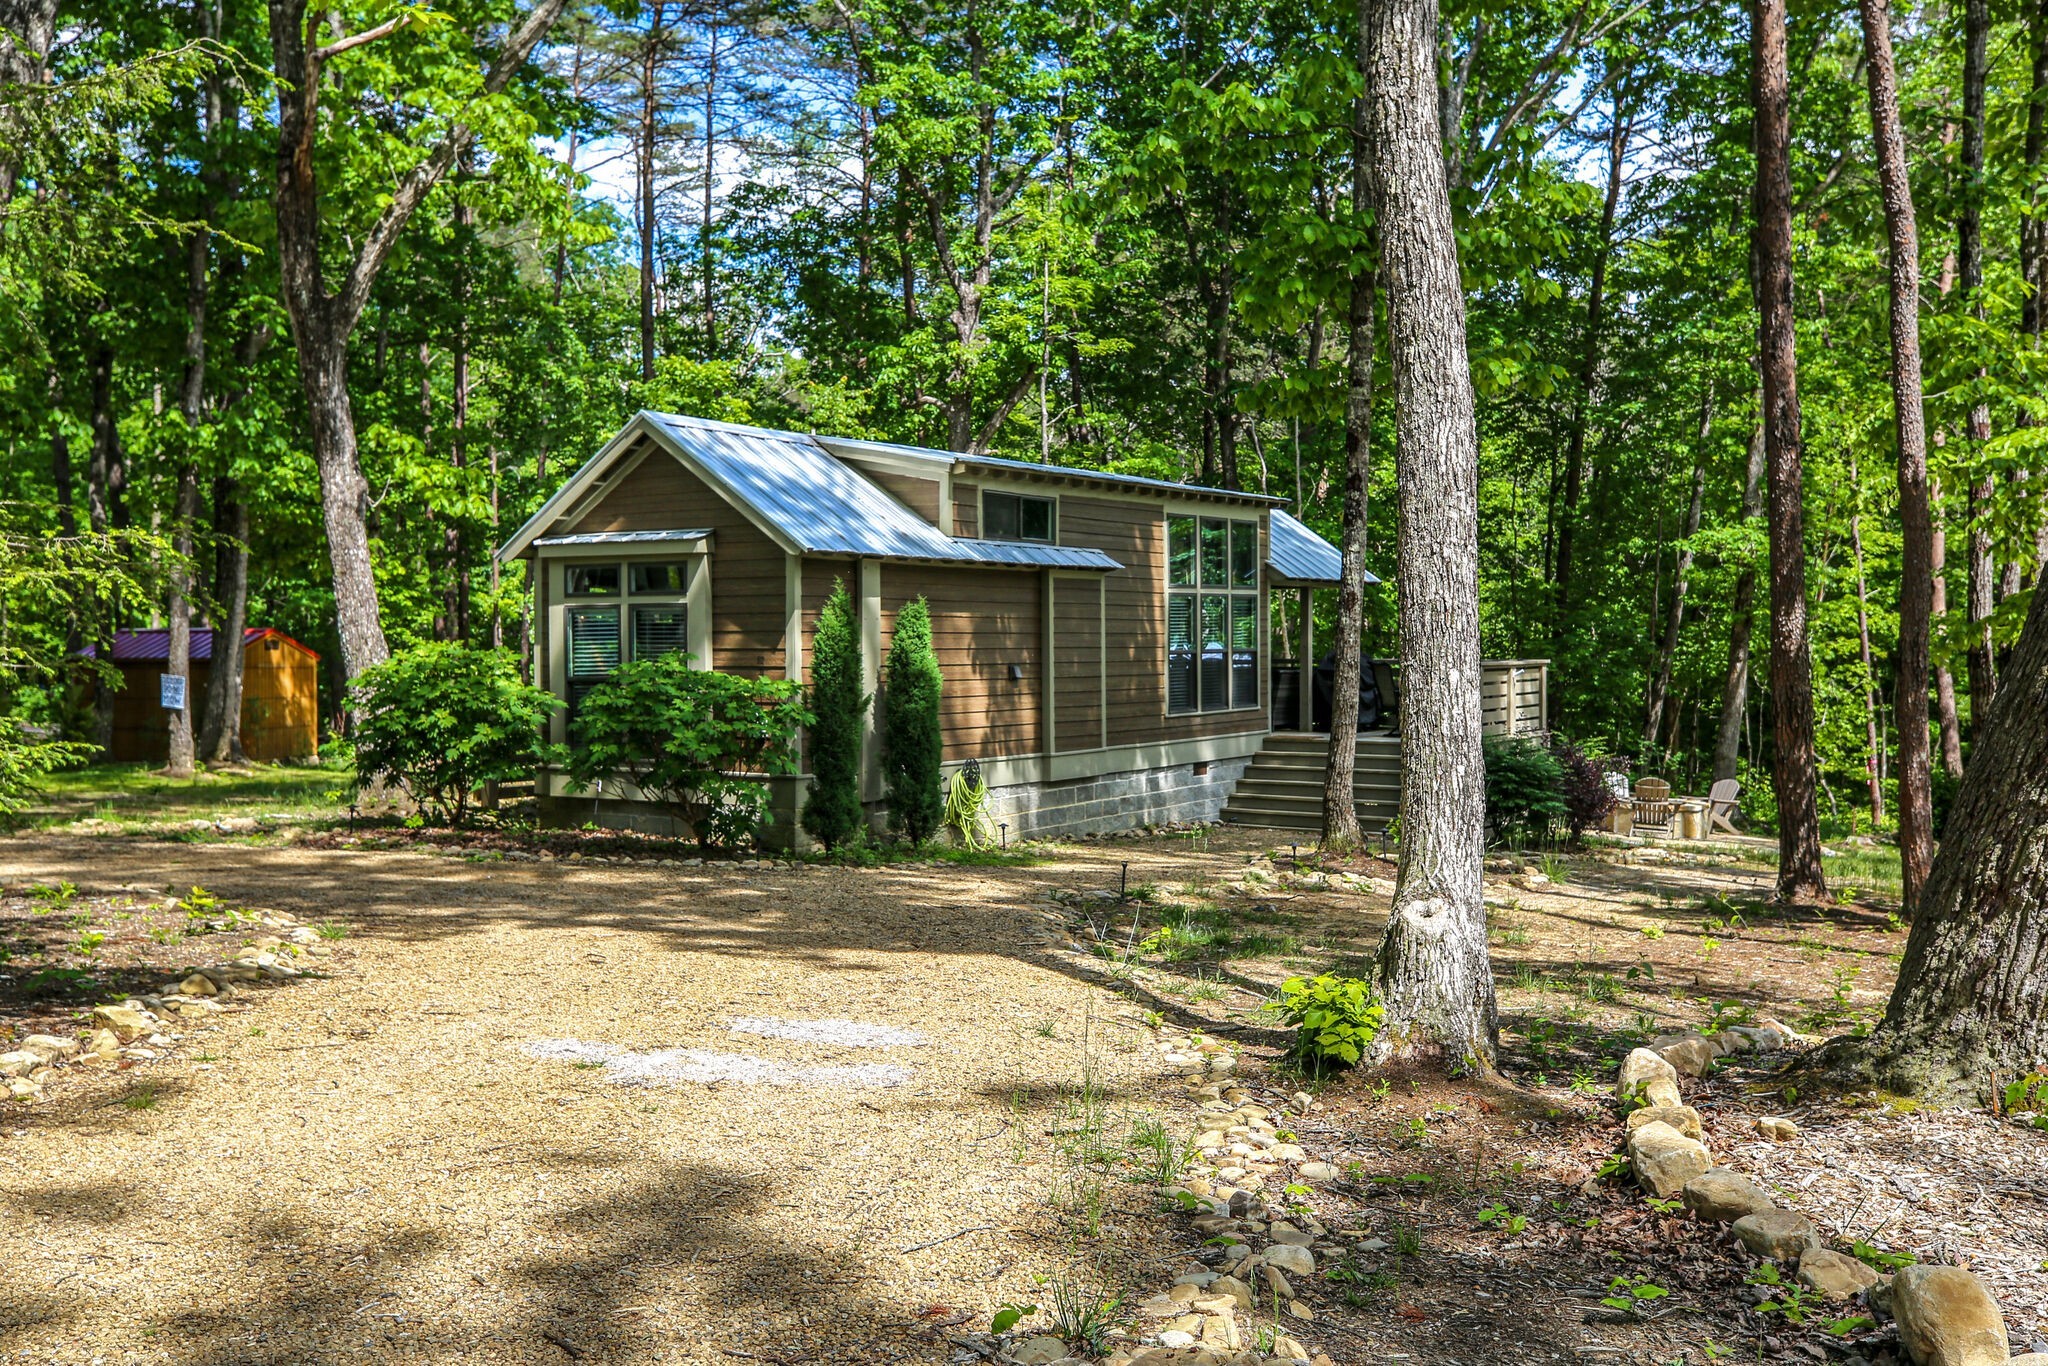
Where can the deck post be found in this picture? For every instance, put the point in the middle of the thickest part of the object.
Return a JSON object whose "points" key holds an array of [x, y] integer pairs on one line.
{"points": [[1305, 708]]}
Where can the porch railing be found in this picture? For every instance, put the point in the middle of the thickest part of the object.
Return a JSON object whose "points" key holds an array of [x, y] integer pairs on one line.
{"points": [[1514, 696]]}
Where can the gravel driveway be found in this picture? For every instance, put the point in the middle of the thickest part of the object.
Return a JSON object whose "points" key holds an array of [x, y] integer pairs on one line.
{"points": [[457, 1148]]}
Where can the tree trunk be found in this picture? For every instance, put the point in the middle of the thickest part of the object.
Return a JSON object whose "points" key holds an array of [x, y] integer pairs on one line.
{"points": [[1970, 1009], [1873, 762], [1983, 663], [1596, 302], [1340, 806], [1794, 775], [1432, 968], [1950, 730], [1982, 658], [106, 479], [1916, 523], [27, 31], [178, 616], [1741, 619], [704, 244], [1667, 651], [648, 129], [2034, 221], [220, 732]]}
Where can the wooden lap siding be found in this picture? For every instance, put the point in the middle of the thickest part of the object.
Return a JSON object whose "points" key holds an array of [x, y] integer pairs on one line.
{"points": [[748, 586], [983, 621], [921, 496], [966, 509], [1134, 535], [1077, 639]]}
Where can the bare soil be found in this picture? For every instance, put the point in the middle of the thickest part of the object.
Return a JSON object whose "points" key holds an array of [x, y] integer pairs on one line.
{"points": [[374, 1165]]}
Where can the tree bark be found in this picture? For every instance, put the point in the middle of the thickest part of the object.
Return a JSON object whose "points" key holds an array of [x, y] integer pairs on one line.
{"points": [[1970, 1008], [106, 480], [1667, 650], [1742, 621], [322, 318], [27, 30], [1589, 375], [649, 130], [1340, 806], [1983, 662], [1432, 969], [1948, 727], [1794, 775], [220, 731], [1873, 762], [1916, 521]]}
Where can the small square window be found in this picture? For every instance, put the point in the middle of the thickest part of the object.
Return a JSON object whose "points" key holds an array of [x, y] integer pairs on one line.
{"points": [[1015, 517], [593, 581], [661, 578]]}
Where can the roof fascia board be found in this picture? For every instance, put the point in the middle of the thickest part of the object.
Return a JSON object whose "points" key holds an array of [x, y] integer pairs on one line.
{"points": [[593, 469]]}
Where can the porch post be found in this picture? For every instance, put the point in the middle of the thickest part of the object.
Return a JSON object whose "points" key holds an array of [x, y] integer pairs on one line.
{"points": [[1305, 712]]}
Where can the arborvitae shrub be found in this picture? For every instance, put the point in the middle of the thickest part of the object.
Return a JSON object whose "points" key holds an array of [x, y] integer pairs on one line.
{"points": [[912, 745], [833, 814]]}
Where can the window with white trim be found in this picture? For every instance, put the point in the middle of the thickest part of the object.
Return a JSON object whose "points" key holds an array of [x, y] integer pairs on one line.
{"points": [[1212, 614], [649, 619]]}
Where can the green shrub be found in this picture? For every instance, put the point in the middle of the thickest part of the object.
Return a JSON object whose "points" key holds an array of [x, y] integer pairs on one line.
{"points": [[833, 814], [441, 720], [25, 762], [697, 742], [912, 745], [1524, 789], [1334, 1018]]}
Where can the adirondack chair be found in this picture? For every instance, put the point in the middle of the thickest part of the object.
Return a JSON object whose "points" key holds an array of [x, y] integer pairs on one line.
{"points": [[1721, 805], [1653, 805]]}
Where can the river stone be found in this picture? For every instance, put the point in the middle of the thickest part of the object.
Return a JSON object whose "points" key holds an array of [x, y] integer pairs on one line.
{"points": [[1638, 1068], [1947, 1318], [50, 1047], [1662, 1093], [18, 1064], [1683, 1118], [1777, 1129], [1779, 1234], [1720, 1196], [1235, 1288], [127, 1023], [1691, 1054], [1834, 1274], [1289, 1234], [1665, 1159], [1042, 1351], [1316, 1171], [199, 984], [1298, 1260]]}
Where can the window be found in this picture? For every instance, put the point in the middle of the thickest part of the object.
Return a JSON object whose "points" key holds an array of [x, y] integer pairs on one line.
{"points": [[1212, 614], [593, 648], [660, 578], [593, 581], [1016, 517], [659, 631]]}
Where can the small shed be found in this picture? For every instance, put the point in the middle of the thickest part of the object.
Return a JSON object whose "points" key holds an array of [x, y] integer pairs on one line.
{"points": [[280, 694]]}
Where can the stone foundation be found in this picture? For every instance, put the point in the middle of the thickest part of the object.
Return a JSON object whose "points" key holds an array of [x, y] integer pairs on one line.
{"points": [[1116, 801]]}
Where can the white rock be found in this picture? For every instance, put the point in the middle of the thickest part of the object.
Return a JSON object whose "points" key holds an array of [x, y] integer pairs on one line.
{"points": [[1298, 1260]]}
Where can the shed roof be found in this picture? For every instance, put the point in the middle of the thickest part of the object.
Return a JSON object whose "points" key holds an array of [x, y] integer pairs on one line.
{"points": [[1298, 555], [154, 646]]}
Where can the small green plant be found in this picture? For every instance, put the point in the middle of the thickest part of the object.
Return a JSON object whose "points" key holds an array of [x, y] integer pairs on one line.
{"points": [[1651, 931], [1555, 868], [1879, 1260], [1007, 1317], [1498, 1216], [1079, 1316], [1787, 1299], [1615, 1166], [1584, 1083], [142, 1098], [332, 930], [1405, 1239], [1335, 1019], [1631, 1293], [912, 747], [89, 943], [53, 895], [199, 904], [1380, 1089], [1524, 789], [1162, 1157]]}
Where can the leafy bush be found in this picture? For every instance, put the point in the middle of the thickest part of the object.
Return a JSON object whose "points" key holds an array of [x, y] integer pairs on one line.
{"points": [[695, 741], [25, 762], [832, 814], [1334, 1018], [441, 720], [1583, 784], [1524, 789], [912, 745]]}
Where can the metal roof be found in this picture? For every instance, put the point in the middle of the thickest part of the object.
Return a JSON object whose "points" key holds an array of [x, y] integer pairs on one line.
{"points": [[624, 537], [1296, 553], [996, 462], [820, 505], [154, 646]]}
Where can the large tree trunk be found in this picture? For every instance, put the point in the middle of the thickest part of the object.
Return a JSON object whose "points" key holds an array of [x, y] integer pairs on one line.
{"points": [[1589, 375], [1667, 650], [27, 29], [1340, 807], [1432, 970], [1970, 1009], [106, 480], [220, 731], [1794, 775], [1873, 730], [322, 318], [1742, 620], [1983, 662], [1916, 521]]}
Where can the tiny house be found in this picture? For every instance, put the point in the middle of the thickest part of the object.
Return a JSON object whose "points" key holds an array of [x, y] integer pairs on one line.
{"points": [[280, 694]]}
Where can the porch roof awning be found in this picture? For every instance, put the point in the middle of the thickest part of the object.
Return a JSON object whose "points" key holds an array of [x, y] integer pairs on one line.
{"points": [[1296, 555]]}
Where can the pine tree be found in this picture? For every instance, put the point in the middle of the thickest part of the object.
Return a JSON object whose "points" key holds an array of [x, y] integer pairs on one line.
{"points": [[912, 745], [833, 812]]}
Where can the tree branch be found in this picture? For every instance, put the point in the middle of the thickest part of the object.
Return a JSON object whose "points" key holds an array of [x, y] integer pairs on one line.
{"points": [[354, 40]]}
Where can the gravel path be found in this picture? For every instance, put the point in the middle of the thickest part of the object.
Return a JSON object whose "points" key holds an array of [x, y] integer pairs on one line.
{"points": [[406, 1162]]}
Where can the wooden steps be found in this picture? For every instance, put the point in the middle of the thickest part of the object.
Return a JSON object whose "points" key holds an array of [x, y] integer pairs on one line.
{"points": [[1283, 787]]}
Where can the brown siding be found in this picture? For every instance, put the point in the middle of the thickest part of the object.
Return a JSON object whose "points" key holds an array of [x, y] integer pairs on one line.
{"points": [[1077, 664], [921, 496], [966, 509], [983, 621], [748, 583], [1134, 535], [280, 706]]}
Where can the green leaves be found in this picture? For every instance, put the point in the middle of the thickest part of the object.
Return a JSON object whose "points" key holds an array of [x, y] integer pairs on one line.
{"points": [[1335, 1018]]}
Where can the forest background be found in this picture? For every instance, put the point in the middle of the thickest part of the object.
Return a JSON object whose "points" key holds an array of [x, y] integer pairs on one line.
{"points": [[1118, 236]]}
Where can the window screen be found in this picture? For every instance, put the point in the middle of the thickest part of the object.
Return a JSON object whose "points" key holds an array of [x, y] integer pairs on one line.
{"points": [[659, 631], [1015, 517], [593, 581], [593, 648], [1180, 653]]}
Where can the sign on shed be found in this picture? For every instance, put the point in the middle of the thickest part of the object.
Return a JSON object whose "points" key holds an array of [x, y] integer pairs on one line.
{"points": [[172, 688]]}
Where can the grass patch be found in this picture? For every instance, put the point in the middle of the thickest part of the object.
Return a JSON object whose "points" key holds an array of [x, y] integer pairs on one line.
{"points": [[141, 795], [1864, 870]]}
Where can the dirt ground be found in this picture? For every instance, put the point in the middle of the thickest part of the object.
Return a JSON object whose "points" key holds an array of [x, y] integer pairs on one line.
{"points": [[404, 1158]]}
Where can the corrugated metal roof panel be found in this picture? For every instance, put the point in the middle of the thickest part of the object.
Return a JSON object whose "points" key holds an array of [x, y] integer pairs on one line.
{"points": [[823, 506], [624, 537], [154, 646], [1297, 553], [996, 462]]}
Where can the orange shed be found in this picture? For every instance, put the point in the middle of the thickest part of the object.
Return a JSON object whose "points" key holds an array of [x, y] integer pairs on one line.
{"points": [[280, 694]]}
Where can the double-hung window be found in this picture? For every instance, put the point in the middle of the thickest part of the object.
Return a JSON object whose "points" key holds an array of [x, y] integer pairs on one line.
{"points": [[1018, 517], [1212, 614], [618, 613]]}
